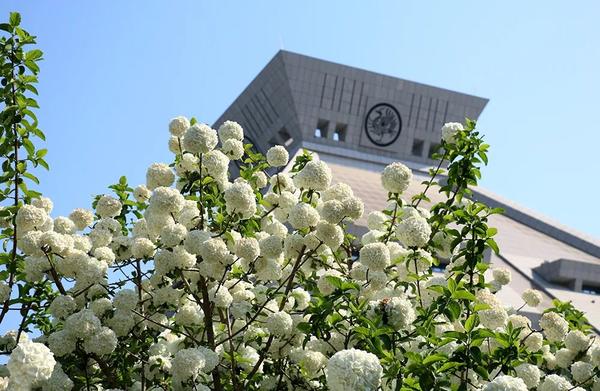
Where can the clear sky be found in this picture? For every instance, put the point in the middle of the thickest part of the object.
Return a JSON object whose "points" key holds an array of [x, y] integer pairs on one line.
{"points": [[115, 72]]}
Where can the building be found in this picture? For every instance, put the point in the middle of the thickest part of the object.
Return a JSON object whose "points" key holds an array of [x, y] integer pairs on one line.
{"points": [[359, 121]]}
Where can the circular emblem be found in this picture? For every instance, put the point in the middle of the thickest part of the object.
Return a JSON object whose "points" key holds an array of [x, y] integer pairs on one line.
{"points": [[383, 124]]}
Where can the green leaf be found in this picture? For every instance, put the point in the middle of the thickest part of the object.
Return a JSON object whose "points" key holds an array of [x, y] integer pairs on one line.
{"points": [[34, 54], [433, 358], [15, 19], [471, 322], [463, 294]]}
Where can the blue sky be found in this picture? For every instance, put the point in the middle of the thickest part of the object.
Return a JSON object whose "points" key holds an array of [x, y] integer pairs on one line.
{"points": [[115, 73]]}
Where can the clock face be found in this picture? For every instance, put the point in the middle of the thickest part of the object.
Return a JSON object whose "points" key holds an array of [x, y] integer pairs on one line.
{"points": [[383, 124]]}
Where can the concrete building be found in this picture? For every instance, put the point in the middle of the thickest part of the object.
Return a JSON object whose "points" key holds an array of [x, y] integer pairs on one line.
{"points": [[359, 121]]}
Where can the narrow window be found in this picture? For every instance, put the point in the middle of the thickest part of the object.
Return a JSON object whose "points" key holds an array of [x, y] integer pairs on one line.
{"points": [[417, 147], [340, 132], [321, 129]]}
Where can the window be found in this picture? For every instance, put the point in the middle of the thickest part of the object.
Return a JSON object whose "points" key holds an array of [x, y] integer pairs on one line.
{"points": [[590, 290], [417, 148], [321, 129], [340, 132], [433, 148], [285, 137]]}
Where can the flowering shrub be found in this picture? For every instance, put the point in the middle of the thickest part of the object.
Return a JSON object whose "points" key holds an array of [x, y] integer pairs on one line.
{"points": [[200, 281]]}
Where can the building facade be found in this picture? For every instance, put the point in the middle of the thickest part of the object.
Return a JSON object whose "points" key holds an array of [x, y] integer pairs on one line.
{"points": [[359, 121]]}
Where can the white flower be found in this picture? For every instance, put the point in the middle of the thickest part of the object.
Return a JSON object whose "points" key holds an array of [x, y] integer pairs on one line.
{"points": [[533, 343], [279, 323], [234, 149], [200, 138], [555, 328], [302, 298], [231, 130], [62, 306], [82, 218], [166, 200], [82, 324], [375, 256], [29, 364], [142, 248], [376, 220], [277, 156], [102, 342], [187, 363], [330, 234], [64, 225], [173, 235], [43, 203], [189, 315], [339, 191], [529, 373], [142, 193], [178, 126], [577, 341], [554, 383], [315, 175], [159, 174], [506, 383], [564, 357], [353, 207], [582, 371], [493, 318], [502, 276], [215, 163], [401, 313], [303, 216], [396, 177], [332, 211], [271, 246], [449, 131], [194, 239], [30, 217], [413, 231], [355, 370], [240, 198], [221, 296], [532, 297]]}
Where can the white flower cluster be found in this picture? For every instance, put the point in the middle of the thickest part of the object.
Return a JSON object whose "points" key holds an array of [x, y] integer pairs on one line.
{"points": [[221, 272]]}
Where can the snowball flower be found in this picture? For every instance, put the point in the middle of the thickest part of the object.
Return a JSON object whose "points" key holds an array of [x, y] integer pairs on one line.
{"points": [[159, 174], [187, 363], [554, 383], [279, 323], [401, 313], [277, 156], [353, 369], [178, 126], [231, 130], [413, 231], [577, 341], [240, 198], [30, 217], [449, 131], [233, 149], [108, 206], [505, 383], [396, 177], [375, 256], [247, 248], [29, 364], [554, 326], [82, 218], [502, 276], [303, 216], [530, 374], [315, 175], [200, 138], [532, 297], [166, 200]]}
